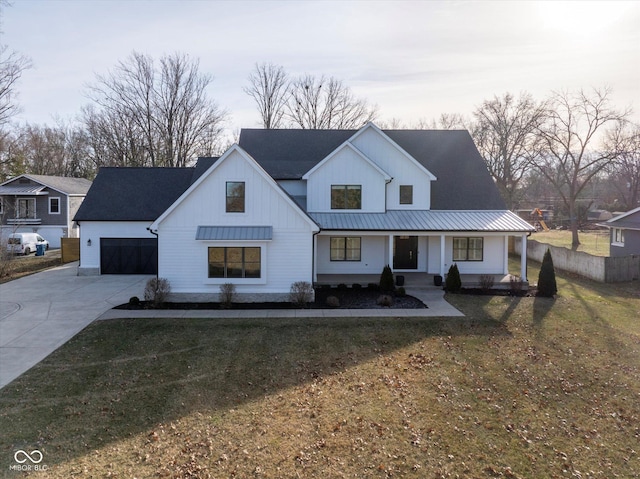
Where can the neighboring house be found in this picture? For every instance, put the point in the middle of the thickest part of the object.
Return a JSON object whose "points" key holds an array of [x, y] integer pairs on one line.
{"points": [[302, 205], [624, 233], [42, 204]]}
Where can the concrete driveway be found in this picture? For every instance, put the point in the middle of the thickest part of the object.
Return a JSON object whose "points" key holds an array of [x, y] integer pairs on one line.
{"points": [[41, 312]]}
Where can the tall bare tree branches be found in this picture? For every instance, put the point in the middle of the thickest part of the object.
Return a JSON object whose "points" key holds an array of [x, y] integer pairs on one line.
{"points": [[161, 116], [307, 102], [572, 142], [268, 84], [505, 132], [624, 140]]}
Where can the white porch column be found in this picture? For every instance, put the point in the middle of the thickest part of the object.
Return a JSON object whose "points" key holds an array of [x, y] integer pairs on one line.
{"points": [[314, 260], [523, 259], [442, 255], [391, 251], [506, 255]]}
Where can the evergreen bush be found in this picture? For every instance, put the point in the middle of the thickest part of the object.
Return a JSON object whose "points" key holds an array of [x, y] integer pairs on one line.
{"points": [[453, 283], [547, 286], [386, 280]]}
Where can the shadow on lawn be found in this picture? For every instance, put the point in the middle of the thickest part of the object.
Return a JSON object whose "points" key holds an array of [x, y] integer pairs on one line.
{"points": [[120, 378]]}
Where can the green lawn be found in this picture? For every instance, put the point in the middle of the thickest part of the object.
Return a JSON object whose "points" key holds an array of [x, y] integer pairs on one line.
{"points": [[520, 387], [593, 242]]}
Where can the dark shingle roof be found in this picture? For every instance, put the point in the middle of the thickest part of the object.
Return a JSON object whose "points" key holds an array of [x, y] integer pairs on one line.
{"points": [[143, 194], [133, 194], [463, 180], [64, 184]]}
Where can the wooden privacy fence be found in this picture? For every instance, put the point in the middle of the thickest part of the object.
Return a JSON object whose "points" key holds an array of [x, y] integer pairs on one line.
{"points": [[598, 268], [70, 249]]}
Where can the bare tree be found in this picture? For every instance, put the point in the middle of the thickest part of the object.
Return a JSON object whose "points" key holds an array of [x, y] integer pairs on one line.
{"points": [[572, 144], [326, 103], [505, 132], [12, 65], [153, 116], [624, 140], [268, 86]]}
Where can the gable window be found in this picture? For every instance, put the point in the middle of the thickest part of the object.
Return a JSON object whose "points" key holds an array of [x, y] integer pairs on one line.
{"points": [[406, 194], [54, 206], [618, 237], [346, 197], [235, 197], [234, 262], [468, 249], [345, 249], [26, 208]]}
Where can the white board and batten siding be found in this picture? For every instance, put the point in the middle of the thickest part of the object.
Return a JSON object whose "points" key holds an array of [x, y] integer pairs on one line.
{"points": [[400, 166], [95, 230], [495, 255], [286, 258], [346, 167]]}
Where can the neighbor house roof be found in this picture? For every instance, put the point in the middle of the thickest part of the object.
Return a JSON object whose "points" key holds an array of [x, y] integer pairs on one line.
{"points": [[63, 184], [629, 220], [133, 194], [464, 182]]}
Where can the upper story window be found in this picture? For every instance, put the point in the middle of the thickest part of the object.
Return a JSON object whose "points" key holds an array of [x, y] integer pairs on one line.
{"points": [[235, 197], [346, 197], [406, 194], [26, 208], [54, 206], [468, 249]]}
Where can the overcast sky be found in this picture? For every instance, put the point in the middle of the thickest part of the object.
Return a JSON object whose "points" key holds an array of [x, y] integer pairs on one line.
{"points": [[415, 60]]}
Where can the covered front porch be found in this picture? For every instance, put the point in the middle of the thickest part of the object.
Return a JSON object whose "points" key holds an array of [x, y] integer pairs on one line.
{"points": [[419, 280]]}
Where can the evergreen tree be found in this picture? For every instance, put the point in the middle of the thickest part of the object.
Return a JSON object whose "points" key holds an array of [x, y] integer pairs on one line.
{"points": [[547, 278], [453, 282], [386, 279]]}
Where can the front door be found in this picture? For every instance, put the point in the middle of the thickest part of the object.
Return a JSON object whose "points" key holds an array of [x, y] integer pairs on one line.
{"points": [[405, 252]]}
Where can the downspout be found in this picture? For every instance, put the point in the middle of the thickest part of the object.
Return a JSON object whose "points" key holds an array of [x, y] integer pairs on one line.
{"points": [[155, 233]]}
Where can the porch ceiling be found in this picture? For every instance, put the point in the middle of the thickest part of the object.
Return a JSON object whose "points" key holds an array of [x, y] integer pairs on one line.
{"points": [[424, 220]]}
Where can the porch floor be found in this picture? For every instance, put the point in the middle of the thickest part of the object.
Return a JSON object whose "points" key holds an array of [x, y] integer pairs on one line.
{"points": [[414, 280]]}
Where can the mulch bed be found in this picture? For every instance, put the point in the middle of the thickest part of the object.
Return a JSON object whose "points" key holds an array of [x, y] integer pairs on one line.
{"points": [[348, 299]]}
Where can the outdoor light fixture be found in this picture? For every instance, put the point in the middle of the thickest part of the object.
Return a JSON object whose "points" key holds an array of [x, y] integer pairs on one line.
{"points": [[89, 242]]}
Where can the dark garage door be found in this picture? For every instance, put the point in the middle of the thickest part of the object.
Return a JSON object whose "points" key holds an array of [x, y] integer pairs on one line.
{"points": [[128, 255]]}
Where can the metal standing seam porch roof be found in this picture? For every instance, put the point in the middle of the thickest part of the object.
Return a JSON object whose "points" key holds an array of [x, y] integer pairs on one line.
{"points": [[424, 220], [22, 190], [237, 233]]}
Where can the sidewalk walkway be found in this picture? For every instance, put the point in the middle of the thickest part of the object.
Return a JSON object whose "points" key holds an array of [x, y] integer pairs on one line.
{"points": [[433, 298]]}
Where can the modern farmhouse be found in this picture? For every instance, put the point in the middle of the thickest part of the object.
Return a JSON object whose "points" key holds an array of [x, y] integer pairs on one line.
{"points": [[302, 205]]}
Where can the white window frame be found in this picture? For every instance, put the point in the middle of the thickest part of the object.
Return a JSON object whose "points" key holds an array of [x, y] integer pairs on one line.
{"points": [[617, 237], [59, 205]]}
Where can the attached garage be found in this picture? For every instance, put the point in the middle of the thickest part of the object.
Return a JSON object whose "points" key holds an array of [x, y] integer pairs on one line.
{"points": [[128, 255]]}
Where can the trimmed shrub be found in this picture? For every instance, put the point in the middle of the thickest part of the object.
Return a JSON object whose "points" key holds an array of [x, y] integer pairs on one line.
{"points": [[373, 287], [333, 302], [301, 293], [134, 301], [453, 283], [156, 291], [401, 291], [342, 287], [515, 284], [227, 295], [356, 286], [384, 300], [486, 282], [547, 286], [386, 280]]}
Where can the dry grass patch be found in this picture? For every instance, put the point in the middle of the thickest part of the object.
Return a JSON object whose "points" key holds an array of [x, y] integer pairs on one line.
{"points": [[595, 243], [521, 387]]}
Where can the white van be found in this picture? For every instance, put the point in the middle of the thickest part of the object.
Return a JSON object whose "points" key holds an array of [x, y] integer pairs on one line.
{"points": [[25, 243]]}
